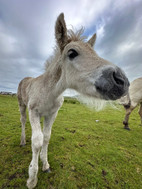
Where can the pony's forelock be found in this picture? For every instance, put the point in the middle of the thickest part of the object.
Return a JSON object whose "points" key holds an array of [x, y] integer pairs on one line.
{"points": [[76, 35]]}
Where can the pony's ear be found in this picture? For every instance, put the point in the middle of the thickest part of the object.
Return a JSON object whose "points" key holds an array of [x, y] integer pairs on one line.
{"points": [[92, 40], [61, 32]]}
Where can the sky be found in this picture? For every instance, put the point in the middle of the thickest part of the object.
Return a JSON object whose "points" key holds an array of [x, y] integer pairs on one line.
{"points": [[27, 34]]}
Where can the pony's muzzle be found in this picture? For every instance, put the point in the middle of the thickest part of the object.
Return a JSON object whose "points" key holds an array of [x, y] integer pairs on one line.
{"points": [[112, 84]]}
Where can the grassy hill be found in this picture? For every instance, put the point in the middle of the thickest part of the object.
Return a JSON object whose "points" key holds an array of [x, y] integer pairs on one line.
{"points": [[83, 153]]}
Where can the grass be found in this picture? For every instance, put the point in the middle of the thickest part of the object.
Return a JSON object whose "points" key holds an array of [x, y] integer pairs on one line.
{"points": [[83, 153]]}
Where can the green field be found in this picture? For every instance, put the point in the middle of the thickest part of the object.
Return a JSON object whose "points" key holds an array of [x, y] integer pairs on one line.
{"points": [[83, 153]]}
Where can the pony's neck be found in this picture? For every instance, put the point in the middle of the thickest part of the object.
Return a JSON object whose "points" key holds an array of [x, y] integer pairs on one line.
{"points": [[56, 75]]}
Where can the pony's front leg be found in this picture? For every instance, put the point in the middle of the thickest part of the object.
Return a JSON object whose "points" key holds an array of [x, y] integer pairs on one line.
{"points": [[37, 141], [48, 121]]}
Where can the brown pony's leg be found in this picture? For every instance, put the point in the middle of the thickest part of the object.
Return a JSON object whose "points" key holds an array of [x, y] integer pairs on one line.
{"points": [[140, 112], [128, 112]]}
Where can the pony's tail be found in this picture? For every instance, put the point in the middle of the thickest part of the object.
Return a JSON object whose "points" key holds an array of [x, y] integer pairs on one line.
{"points": [[125, 101]]}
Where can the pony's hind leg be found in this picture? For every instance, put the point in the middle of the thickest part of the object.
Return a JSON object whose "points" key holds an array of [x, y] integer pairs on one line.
{"points": [[128, 112], [23, 122], [140, 112], [126, 119]]}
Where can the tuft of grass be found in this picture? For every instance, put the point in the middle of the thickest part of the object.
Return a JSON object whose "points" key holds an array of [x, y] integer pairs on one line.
{"points": [[83, 153]]}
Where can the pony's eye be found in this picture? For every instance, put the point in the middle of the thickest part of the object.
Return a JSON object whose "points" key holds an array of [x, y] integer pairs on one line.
{"points": [[72, 54]]}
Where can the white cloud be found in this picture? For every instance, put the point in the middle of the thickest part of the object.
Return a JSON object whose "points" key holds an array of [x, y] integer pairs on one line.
{"points": [[70, 93], [8, 44], [100, 30], [125, 47]]}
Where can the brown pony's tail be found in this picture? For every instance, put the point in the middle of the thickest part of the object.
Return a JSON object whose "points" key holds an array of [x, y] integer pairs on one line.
{"points": [[125, 101]]}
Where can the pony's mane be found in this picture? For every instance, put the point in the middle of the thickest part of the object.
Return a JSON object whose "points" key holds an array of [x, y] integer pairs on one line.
{"points": [[73, 35]]}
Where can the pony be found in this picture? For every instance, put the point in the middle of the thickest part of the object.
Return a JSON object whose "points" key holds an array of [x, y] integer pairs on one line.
{"points": [[132, 100], [74, 65]]}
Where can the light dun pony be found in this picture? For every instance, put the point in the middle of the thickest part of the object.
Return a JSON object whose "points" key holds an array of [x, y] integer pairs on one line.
{"points": [[132, 99], [75, 65]]}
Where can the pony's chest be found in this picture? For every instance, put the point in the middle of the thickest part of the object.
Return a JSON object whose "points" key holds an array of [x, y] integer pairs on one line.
{"points": [[49, 107]]}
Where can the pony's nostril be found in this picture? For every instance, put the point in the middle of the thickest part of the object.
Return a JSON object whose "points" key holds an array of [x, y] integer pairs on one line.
{"points": [[117, 79], [98, 87]]}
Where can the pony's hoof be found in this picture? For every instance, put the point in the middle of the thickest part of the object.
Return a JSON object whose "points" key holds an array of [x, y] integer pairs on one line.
{"points": [[46, 167], [31, 183], [22, 144], [47, 171], [127, 128]]}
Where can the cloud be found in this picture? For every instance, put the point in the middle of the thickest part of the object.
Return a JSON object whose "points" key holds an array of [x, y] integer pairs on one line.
{"points": [[121, 41], [27, 34]]}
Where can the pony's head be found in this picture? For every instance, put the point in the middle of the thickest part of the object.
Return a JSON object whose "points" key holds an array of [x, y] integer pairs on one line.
{"points": [[83, 69]]}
